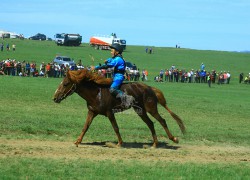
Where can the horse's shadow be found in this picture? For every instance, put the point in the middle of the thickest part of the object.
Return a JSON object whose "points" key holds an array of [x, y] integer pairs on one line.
{"points": [[133, 145]]}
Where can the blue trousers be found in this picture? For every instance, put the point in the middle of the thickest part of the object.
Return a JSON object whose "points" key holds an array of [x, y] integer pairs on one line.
{"points": [[116, 84]]}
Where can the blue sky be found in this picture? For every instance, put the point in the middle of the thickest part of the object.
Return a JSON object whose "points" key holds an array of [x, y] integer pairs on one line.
{"points": [[196, 24]]}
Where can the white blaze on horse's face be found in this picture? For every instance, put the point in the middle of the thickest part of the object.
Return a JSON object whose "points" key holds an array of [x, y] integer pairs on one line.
{"points": [[66, 88], [58, 88]]}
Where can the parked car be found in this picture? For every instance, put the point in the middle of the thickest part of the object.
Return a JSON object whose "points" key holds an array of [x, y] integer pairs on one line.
{"points": [[64, 60], [130, 67], [38, 36], [14, 36]]}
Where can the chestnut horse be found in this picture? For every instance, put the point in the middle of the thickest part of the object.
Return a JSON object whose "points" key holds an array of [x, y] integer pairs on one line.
{"points": [[95, 90]]}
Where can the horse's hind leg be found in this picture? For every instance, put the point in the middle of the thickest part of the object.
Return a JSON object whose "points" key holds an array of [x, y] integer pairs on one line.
{"points": [[88, 122], [142, 113], [162, 121], [150, 102]]}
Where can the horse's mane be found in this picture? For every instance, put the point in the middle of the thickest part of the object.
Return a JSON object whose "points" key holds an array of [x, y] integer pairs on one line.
{"points": [[86, 75]]}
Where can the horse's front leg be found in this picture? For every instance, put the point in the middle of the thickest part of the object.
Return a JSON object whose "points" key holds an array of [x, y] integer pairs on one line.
{"points": [[116, 128], [87, 124]]}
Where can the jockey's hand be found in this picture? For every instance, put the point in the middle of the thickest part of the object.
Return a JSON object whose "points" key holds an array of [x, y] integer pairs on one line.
{"points": [[92, 68], [106, 61]]}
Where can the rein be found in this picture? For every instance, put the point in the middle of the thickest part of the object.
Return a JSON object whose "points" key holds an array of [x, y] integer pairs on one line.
{"points": [[70, 91]]}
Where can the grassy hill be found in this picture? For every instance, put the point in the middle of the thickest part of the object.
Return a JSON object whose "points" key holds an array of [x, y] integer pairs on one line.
{"points": [[37, 135]]}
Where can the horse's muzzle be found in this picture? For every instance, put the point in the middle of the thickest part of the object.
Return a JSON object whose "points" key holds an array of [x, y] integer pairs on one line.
{"points": [[57, 100]]}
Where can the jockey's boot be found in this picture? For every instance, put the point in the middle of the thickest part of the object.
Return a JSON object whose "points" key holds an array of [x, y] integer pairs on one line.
{"points": [[127, 100]]}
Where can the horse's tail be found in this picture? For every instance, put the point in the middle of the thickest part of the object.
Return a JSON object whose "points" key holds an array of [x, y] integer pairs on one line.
{"points": [[177, 118], [161, 99]]}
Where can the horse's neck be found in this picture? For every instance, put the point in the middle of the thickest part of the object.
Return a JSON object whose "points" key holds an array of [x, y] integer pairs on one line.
{"points": [[88, 92]]}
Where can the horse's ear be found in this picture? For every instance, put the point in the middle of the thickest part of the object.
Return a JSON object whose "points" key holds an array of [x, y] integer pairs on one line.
{"points": [[68, 74]]}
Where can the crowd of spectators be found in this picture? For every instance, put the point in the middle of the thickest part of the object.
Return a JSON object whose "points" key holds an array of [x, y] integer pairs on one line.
{"points": [[173, 74], [192, 76], [18, 68]]}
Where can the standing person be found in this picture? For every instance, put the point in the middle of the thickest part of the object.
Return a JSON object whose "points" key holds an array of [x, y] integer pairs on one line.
{"points": [[167, 75], [241, 77], [27, 67], [221, 78], [150, 50], [189, 75], [32, 69], [13, 47], [13, 67], [7, 47], [1, 46], [143, 75], [228, 77], [48, 68], [170, 75], [225, 77], [177, 75], [7, 66], [209, 79], [79, 64], [23, 70], [202, 66], [42, 69], [62, 67], [161, 74], [119, 65], [213, 77], [172, 67], [57, 70], [146, 74], [203, 76], [18, 68], [174, 75]]}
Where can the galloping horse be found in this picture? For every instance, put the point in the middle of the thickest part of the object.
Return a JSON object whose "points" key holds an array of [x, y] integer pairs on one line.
{"points": [[95, 90]]}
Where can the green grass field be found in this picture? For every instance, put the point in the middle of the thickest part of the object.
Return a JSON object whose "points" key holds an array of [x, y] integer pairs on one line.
{"points": [[37, 135]]}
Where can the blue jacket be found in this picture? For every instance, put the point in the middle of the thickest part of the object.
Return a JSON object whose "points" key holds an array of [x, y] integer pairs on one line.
{"points": [[117, 62], [202, 74], [119, 68]]}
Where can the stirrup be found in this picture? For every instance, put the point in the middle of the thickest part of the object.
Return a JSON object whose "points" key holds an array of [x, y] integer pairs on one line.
{"points": [[127, 100]]}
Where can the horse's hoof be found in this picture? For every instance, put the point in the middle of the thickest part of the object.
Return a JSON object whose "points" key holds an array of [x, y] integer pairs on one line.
{"points": [[118, 146], [76, 143], [176, 140]]}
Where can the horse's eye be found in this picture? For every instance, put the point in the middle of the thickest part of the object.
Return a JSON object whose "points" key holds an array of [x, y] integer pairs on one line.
{"points": [[65, 84]]}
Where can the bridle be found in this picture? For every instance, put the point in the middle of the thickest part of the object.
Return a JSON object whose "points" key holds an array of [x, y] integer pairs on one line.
{"points": [[69, 92]]}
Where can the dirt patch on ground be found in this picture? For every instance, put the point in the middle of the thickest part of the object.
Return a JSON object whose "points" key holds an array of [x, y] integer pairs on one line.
{"points": [[130, 151]]}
